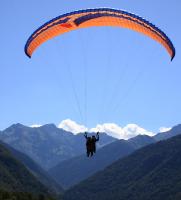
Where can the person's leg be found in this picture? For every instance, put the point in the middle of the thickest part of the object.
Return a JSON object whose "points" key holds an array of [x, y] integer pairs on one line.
{"points": [[94, 149], [88, 153]]}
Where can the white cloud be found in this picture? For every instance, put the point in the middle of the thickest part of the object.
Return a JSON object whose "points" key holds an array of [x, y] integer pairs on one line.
{"points": [[129, 131], [164, 129], [72, 126], [112, 129], [35, 125], [132, 130]]}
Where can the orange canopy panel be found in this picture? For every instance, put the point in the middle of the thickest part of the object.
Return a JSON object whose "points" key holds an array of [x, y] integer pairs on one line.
{"points": [[96, 17]]}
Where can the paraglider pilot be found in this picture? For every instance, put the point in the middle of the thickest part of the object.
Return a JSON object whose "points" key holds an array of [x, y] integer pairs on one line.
{"points": [[91, 143]]}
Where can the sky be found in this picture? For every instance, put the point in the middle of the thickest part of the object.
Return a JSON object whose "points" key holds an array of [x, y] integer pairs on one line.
{"points": [[96, 77]]}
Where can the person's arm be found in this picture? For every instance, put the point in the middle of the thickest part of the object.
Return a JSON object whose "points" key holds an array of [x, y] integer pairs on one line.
{"points": [[97, 137], [85, 135]]}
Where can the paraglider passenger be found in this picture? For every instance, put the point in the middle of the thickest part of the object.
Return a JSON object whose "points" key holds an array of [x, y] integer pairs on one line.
{"points": [[94, 140], [88, 145]]}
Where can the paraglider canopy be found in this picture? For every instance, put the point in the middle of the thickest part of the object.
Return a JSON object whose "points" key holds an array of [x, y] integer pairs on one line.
{"points": [[96, 17]]}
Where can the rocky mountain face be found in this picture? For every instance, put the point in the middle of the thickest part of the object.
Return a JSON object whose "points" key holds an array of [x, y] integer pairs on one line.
{"points": [[47, 145]]}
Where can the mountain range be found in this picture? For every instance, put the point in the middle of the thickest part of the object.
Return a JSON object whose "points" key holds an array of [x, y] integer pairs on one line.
{"points": [[150, 173], [70, 172], [74, 170], [121, 169], [47, 145]]}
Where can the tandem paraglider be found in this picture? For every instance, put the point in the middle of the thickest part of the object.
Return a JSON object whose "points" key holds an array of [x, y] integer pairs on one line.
{"points": [[95, 18], [91, 143]]}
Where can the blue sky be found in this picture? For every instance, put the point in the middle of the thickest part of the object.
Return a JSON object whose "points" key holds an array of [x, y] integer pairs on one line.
{"points": [[92, 76]]}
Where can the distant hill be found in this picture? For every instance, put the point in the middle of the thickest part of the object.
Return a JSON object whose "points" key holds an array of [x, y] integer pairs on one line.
{"points": [[14, 177], [150, 173], [72, 171], [176, 130], [47, 145], [140, 141], [36, 170]]}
